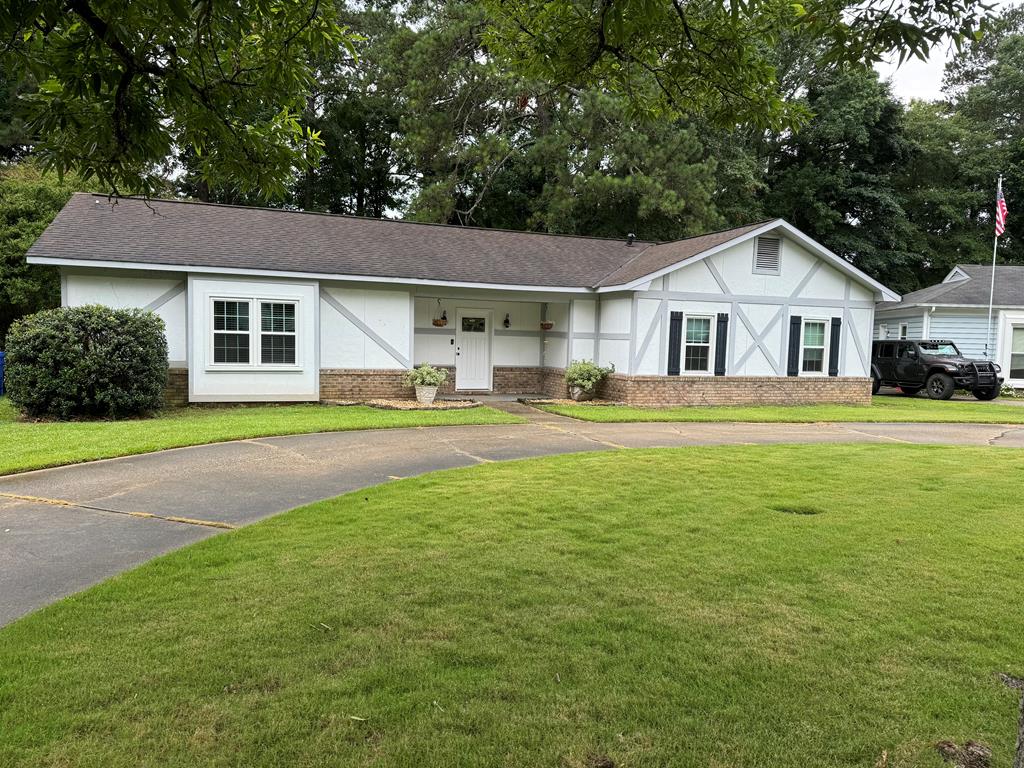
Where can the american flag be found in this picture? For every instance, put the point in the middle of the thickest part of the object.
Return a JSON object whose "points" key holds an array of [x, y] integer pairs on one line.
{"points": [[1000, 209]]}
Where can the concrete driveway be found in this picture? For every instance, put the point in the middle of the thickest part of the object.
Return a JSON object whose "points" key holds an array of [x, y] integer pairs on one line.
{"points": [[64, 529]]}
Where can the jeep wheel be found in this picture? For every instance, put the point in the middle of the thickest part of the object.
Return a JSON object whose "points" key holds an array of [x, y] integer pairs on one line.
{"points": [[876, 384], [987, 394], [910, 391], [940, 386]]}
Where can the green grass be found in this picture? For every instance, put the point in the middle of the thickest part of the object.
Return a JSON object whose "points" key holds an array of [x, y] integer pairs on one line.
{"points": [[34, 445], [882, 409], [663, 608]]}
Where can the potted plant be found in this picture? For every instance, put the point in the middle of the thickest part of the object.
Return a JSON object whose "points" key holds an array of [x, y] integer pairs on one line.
{"points": [[426, 379], [583, 376]]}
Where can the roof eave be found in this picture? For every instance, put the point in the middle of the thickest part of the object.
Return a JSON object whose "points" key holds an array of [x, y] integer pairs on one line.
{"points": [[198, 268]]}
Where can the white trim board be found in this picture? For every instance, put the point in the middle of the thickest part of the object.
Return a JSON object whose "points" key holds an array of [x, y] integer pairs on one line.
{"points": [[200, 270]]}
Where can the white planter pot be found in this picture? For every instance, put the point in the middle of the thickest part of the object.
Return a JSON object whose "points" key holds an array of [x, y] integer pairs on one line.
{"points": [[579, 394], [426, 395]]}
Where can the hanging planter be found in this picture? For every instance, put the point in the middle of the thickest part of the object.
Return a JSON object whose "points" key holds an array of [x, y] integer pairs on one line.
{"points": [[546, 325], [441, 319]]}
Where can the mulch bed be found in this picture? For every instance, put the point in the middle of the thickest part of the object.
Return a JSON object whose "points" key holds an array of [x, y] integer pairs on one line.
{"points": [[562, 401], [414, 405]]}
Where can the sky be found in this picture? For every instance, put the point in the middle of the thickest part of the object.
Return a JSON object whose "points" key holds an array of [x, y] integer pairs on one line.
{"points": [[918, 79]]}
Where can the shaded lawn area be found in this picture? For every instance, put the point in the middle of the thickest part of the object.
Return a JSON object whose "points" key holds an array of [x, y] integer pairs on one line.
{"points": [[661, 607], [882, 409], [34, 445]]}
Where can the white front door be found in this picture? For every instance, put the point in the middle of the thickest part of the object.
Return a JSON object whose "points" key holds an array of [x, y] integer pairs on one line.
{"points": [[473, 349]]}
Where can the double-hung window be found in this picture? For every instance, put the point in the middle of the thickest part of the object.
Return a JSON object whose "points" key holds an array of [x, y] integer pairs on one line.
{"points": [[254, 332], [231, 332], [277, 333], [812, 351], [697, 346]]}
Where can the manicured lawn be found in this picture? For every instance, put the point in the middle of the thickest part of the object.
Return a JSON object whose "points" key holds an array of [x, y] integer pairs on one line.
{"points": [[33, 445], [663, 608], [884, 408]]}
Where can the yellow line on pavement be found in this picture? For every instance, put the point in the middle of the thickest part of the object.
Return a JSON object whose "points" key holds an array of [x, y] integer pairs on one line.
{"points": [[73, 504]]}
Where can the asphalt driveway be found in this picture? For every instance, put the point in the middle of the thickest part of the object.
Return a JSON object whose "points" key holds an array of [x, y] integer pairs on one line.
{"points": [[64, 529]]}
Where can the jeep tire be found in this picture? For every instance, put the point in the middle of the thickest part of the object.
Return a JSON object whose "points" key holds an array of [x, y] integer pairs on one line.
{"points": [[989, 393], [940, 386], [876, 384]]}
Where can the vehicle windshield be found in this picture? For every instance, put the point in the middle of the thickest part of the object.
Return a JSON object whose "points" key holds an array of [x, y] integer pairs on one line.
{"points": [[939, 348]]}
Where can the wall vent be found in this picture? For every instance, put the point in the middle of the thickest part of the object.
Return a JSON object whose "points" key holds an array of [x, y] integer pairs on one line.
{"points": [[768, 256]]}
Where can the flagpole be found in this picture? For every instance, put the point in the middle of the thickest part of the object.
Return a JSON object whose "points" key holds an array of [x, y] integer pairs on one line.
{"points": [[992, 284]]}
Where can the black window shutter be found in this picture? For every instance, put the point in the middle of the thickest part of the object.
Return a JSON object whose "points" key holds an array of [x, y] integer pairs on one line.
{"points": [[721, 340], [833, 348], [675, 342], [795, 326]]}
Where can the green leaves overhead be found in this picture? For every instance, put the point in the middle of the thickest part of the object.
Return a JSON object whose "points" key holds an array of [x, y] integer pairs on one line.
{"points": [[710, 57], [124, 86]]}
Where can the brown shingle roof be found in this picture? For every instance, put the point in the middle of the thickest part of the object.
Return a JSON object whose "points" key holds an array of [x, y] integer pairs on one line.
{"points": [[197, 235], [970, 292], [662, 255]]}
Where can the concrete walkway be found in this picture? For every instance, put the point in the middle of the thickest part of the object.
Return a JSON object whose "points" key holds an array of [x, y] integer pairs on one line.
{"points": [[64, 529]]}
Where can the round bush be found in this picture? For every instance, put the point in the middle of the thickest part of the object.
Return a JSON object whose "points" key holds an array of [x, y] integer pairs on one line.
{"points": [[90, 361]]}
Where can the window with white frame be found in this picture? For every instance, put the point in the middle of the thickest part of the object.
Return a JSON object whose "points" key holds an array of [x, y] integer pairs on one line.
{"points": [[813, 348], [231, 332], [235, 335], [697, 344], [904, 329], [277, 333]]}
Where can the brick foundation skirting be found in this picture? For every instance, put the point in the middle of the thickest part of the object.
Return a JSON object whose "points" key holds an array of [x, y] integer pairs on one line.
{"points": [[659, 391], [356, 384], [176, 393], [654, 391]]}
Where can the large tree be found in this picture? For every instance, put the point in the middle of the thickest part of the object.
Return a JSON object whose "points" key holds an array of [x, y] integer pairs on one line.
{"points": [[124, 85], [834, 178], [28, 202], [714, 58]]}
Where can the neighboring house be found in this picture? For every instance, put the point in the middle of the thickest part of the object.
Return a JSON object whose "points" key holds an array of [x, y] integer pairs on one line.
{"points": [[272, 305], [957, 310]]}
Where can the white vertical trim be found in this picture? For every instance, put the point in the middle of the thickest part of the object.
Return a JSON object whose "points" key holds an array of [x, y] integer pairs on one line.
{"points": [[632, 331], [663, 340], [844, 331], [597, 330]]}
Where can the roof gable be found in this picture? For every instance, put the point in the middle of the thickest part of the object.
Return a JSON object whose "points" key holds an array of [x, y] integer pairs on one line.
{"points": [[662, 258]]}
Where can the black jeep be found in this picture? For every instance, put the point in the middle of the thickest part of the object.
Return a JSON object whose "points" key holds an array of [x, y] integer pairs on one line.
{"points": [[934, 366]]}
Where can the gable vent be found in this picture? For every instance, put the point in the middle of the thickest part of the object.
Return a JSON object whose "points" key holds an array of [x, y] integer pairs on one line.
{"points": [[767, 256]]}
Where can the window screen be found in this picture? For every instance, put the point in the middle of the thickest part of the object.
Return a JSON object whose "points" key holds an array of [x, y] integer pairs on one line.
{"points": [[231, 332], [697, 355], [474, 325], [814, 346], [277, 333]]}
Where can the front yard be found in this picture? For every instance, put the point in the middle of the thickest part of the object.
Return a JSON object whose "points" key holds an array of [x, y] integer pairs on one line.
{"points": [[882, 409], [34, 445], [768, 606]]}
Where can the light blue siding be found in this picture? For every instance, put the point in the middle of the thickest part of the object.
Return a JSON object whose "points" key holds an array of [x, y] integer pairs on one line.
{"points": [[966, 330], [915, 325]]}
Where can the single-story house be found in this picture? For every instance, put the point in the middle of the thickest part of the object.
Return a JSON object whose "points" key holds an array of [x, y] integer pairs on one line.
{"points": [[957, 310], [275, 305]]}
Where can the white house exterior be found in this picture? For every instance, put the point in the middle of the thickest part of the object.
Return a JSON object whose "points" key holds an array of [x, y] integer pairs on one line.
{"points": [[269, 305], [957, 310]]}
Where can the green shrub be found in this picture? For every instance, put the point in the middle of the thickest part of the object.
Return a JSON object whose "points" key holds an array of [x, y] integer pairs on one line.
{"points": [[90, 361], [426, 376], [585, 374]]}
